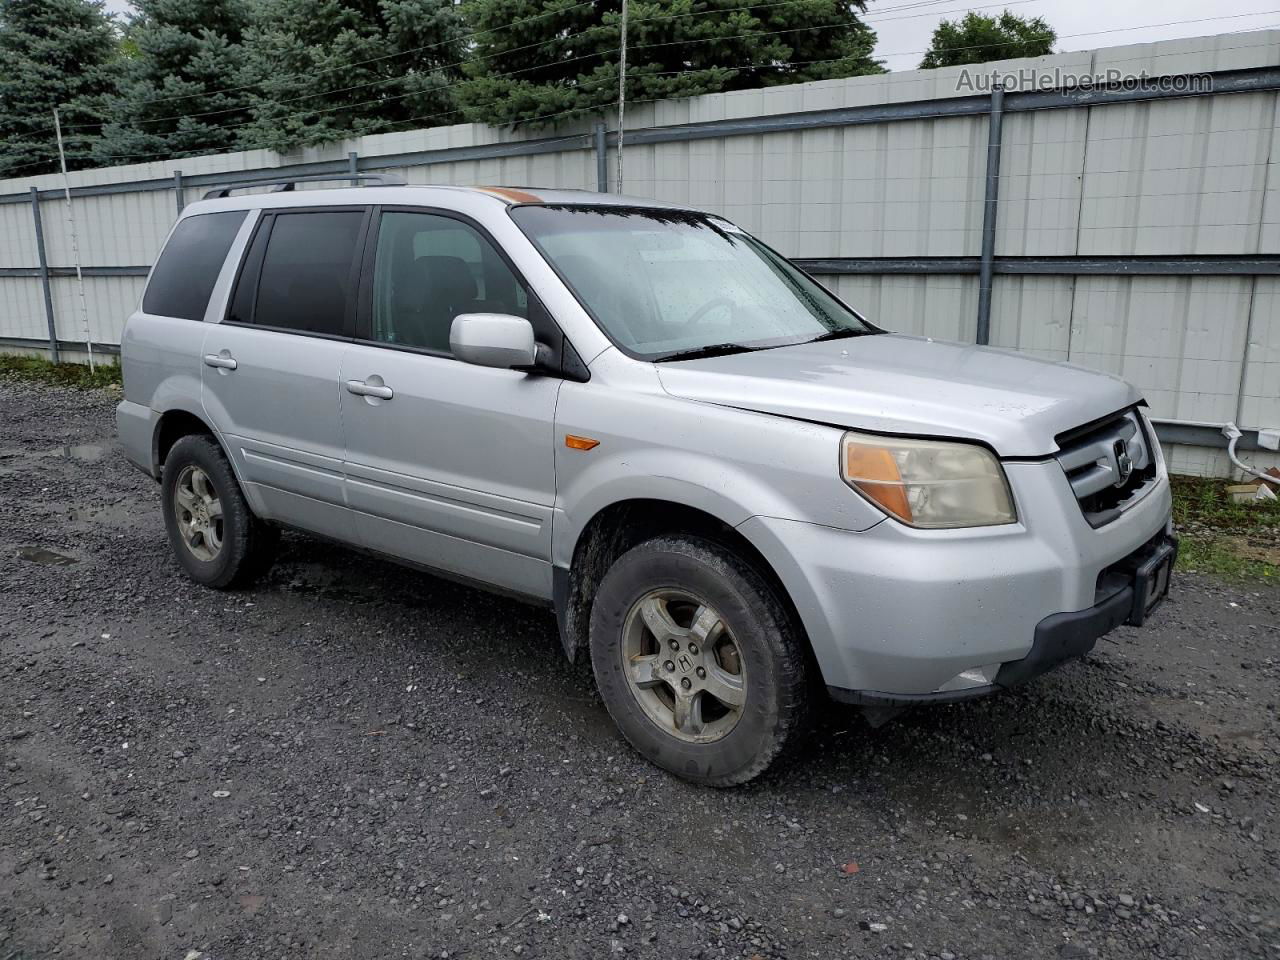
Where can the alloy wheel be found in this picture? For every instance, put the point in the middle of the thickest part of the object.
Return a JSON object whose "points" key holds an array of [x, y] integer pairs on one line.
{"points": [[199, 513], [683, 665]]}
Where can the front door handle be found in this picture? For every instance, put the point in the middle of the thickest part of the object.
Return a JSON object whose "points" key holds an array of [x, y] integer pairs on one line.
{"points": [[362, 389], [219, 360]]}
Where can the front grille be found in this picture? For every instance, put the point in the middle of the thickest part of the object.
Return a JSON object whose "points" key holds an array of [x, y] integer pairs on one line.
{"points": [[1094, 459]]}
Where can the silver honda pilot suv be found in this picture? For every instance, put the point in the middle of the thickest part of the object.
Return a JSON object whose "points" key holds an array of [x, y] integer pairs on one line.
{"points": [[738, 495]]}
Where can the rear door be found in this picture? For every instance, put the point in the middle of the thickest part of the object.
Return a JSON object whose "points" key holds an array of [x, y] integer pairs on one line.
{"points": [[450, 465], [271, 367], [160, 348]]}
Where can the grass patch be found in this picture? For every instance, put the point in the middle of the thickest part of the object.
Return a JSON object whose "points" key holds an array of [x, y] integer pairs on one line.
{"points": [[1240, 541], [40, 370]]}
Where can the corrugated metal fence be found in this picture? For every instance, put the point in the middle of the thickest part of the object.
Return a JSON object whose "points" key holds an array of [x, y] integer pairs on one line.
{"points": [[1118, 208]]}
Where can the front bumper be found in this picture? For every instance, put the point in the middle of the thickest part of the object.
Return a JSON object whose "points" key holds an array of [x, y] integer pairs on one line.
{"points": [[898, 615], [1122, 598]]}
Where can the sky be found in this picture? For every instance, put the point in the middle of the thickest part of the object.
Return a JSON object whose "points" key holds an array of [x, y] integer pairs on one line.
{"points": [[904, 32]]}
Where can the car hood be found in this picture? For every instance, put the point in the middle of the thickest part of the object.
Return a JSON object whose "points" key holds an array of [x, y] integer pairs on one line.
{"points": [[899, 384]]}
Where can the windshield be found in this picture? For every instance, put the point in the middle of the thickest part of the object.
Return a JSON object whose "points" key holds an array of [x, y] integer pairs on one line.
{"points": [[667, 284]]}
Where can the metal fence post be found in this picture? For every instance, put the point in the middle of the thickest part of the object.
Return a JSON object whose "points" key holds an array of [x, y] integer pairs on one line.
{"points": [[602, 158], [353, 165], [989, 208], [177, 187], [44, 275]]}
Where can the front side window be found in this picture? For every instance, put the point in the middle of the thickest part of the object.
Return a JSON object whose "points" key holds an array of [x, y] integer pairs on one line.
{"points": [[428, 270], [306, 272], [188, 267], [667, 283]]}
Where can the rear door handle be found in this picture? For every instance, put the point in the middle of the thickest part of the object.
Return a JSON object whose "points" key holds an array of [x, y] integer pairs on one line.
{"points": [[362, 389], [215, 360]]}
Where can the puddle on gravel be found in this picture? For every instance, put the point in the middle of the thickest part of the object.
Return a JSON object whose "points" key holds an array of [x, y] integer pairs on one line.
{"points": [[86, 452], [110, 513], [46, 557]]}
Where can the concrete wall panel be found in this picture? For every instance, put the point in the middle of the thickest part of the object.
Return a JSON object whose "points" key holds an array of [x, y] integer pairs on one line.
{"points": [[18, 237], [1179, 339], [1182, 176], [942, 307], [110, 300], [1041, 157], [23, 304], [1260, 394], [1033, 315]]}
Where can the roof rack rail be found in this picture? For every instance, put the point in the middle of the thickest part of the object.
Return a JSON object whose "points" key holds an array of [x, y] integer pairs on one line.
{"points": [[286, 185]]}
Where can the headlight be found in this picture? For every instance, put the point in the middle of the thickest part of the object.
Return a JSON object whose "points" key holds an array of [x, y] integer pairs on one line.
{"points": [[928, 483]]}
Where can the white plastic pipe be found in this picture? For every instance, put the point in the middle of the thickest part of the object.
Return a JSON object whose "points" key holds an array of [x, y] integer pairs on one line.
{"points": [[1232, 433]]}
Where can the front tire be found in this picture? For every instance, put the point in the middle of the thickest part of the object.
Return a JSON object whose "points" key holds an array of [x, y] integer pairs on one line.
{"points": [[216, 538], [699, 663]]}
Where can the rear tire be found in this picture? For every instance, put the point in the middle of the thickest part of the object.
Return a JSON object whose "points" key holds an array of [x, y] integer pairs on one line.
{"points": [[217, 540], [698, 661]]}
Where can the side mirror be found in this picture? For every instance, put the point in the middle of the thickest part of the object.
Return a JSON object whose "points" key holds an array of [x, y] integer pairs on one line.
{"points": [[493, 340]]}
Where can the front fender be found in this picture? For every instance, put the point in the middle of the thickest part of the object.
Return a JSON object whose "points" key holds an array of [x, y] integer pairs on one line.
{"points": [[618, 485], [731, 464]]}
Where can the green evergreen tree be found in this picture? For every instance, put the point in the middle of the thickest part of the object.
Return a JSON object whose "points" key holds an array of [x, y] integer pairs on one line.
{"points": [[980, 39], [182, 91], [537, 61], [53, 53], [326, 69]]}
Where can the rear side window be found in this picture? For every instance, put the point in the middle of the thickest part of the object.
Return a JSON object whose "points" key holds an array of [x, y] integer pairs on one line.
{"points": [[307, 271], [188, 267]]}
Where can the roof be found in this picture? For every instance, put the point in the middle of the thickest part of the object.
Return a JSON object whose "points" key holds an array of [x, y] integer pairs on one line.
{"points": [[555, 195], [424, 194]]}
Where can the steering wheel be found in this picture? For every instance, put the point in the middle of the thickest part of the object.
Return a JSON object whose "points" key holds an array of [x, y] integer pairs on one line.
{"points": [[707, 307]]}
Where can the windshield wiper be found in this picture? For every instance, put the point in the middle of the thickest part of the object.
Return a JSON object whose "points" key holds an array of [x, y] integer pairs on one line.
{"points": [[711, 350], [841, 334]]}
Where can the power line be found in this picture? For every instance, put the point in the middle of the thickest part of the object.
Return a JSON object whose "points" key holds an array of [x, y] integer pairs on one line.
{"points": [[601, 53], [379, 101], [590, 80], [657, 100], [653, 100], [386, 56], [445, 66]]}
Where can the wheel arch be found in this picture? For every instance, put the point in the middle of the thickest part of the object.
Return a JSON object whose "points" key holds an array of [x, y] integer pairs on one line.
{"points": [[616, 528], [172, 426]]}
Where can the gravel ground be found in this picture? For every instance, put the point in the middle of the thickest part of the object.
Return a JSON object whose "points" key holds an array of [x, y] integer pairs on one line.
{"points": [[354, 760]]}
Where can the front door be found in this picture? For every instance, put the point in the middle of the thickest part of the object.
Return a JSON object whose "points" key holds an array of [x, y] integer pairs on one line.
{"points": [[271, 367], [449, 465]]}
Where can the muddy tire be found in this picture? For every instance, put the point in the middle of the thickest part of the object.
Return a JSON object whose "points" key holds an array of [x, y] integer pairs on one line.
{"points": [[698, 661], [218, 541]]}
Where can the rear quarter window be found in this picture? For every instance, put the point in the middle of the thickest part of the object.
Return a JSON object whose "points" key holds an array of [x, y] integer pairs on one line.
{"points": [[188, 267]]}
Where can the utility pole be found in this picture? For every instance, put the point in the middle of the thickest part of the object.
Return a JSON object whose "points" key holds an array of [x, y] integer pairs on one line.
{"points": [[989, 209], [622, 89], [75, 241]]}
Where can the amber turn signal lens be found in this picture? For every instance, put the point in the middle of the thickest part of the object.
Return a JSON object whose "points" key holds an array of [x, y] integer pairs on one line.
{"points": [[574, 442], [874, 471]]}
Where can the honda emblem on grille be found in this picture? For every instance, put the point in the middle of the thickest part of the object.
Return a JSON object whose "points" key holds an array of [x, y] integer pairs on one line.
{"points": [[1124, 462]]}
